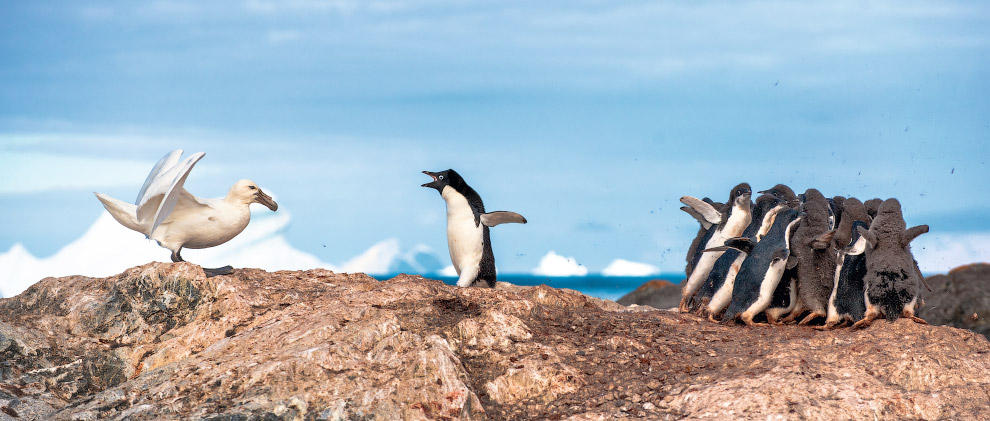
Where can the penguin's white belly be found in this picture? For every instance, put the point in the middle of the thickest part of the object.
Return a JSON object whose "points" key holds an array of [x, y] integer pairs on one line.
{"points": [[465, 240]]}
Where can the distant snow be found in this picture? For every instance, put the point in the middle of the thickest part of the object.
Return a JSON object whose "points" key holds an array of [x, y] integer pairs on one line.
{"points": [[622, 267], [448, 271], [376, 260], [554, 264], [107, 248], [939, 253]]}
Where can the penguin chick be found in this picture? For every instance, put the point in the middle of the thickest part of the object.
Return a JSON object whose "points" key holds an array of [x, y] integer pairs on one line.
{"points": [[871, 207], [815, 259], [835, 211], [708, 214], [785, 194], [852, 210], [892, 281], [734, 220], [468, 238], [716, 292], [760, 273], [847, 302], [784, 298]]}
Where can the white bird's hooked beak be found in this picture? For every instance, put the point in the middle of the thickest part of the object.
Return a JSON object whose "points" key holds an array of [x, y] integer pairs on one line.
{"points": [[264, 199]]}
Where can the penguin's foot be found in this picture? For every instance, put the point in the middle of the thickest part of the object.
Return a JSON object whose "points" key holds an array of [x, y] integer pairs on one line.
{"points": [[683, 307], [772, 321], [867, 321], [832, 323], [711, 317], [211, 272], [702, 310], [791, 318], [748, 319], [812, 316], [916, 319]]}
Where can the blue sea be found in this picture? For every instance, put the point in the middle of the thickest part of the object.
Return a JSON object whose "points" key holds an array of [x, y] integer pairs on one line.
{"points": [[605, 287]]}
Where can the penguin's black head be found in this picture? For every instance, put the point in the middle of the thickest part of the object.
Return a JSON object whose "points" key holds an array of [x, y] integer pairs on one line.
{"points": [[740, 192], [784, 193], [442, 178]]}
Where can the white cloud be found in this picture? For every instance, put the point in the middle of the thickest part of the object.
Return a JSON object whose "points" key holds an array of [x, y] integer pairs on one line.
{"points": [[940, 253], [622, 267], [554, 264]]}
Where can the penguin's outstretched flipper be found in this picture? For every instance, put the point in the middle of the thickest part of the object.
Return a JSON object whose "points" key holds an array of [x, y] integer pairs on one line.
{"points": [[704, 209], [743, 244], [492, 219]]}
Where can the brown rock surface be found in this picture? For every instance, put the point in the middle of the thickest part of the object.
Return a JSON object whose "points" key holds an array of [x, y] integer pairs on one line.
{"points": [[161, 341], [960, 299], [657, 293]]}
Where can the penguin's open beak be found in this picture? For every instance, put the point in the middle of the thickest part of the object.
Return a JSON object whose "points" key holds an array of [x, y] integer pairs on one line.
{"points": [[264, 199], [432, 184]]}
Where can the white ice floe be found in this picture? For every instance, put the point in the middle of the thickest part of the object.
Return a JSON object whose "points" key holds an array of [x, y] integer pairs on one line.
{"points": [[554, 264], [622, 267]]}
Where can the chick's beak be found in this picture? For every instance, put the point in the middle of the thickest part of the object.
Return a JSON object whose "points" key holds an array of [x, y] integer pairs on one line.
{"points": [[264, 199]]}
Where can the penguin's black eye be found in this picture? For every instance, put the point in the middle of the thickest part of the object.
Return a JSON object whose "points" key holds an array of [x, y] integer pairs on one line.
{"points": [[440, 178], [252, 187]]}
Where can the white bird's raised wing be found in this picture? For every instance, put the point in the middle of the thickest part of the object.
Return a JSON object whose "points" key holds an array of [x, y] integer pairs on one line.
{"points": [[166, 163], [163, 190]]}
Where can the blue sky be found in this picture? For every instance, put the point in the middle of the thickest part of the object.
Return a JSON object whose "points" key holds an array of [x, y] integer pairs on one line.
{"points": [[590, 118]]}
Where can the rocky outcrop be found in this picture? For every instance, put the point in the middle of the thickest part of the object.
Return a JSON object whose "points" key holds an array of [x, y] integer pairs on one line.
{"points": [[657, 293], [960, 299], [162, 341]]}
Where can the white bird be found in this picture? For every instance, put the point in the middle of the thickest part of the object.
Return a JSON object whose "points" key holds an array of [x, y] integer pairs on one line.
{"points": [[165, 212]]}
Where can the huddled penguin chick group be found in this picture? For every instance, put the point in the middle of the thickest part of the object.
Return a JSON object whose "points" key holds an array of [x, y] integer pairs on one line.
{"points": [[800, 258]]}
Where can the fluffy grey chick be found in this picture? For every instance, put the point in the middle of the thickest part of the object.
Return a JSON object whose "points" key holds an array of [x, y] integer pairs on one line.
{"points": [[892, 280], [811, 246], [852, 210], [872, 206]]}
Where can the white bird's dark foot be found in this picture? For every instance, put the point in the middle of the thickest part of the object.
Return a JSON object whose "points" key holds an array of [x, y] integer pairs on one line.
{"points": [[211, 272], [176, 257]]}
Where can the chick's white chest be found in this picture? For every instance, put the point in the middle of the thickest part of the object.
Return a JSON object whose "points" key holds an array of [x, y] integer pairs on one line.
{"points": [[465, 240]]}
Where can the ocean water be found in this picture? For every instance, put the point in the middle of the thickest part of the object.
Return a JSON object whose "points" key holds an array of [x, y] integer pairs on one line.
{"points": [[605, 287]]}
